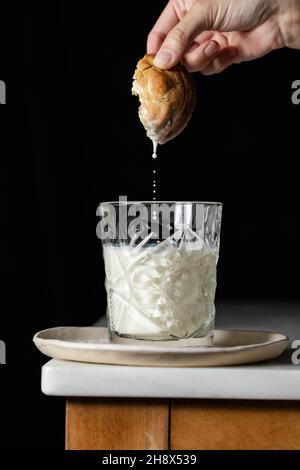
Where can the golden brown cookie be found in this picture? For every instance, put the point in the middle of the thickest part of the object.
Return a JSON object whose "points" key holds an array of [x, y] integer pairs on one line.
{"points": [[167, 99]]}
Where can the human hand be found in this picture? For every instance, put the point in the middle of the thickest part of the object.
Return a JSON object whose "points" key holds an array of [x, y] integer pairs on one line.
{"points": [[210, 35]]}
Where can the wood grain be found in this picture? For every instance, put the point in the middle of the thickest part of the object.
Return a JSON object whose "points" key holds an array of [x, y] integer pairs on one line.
{"points": [[235, 425], [111, 424]]}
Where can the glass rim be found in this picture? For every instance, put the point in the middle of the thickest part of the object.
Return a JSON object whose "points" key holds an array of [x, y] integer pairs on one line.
{"points": [[127, 203]]}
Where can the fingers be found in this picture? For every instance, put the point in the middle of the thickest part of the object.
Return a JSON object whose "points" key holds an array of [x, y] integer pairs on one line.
{"points": [[206, 47], [179, 39], [201, 56], [167, 20], [177, 30], [226, 57]]}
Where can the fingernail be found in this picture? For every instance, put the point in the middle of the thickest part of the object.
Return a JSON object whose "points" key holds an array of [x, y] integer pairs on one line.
{"points": [[211, 49], [163, 58]]}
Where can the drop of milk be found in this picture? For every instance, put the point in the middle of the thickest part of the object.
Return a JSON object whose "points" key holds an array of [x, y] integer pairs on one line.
{"points": [[154, 155]]}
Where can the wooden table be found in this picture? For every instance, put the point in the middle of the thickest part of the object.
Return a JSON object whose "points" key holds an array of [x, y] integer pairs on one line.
{"points": [[132, 424]]}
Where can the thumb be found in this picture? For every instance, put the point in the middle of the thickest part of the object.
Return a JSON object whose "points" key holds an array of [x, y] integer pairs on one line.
{"points": [[199, 18]]}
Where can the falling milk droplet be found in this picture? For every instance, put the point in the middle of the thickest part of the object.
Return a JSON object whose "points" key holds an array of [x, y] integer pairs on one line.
{"points": [[154, 155]]}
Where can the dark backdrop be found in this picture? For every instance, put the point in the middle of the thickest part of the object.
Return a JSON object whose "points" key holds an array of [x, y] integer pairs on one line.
{"points": [[70, 138]]}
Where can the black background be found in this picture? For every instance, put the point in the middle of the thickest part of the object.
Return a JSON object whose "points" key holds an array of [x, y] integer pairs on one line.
{"points": [[70, 138]]}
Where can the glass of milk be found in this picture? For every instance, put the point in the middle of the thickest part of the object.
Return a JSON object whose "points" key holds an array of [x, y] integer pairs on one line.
{"points": [[160, 262]]}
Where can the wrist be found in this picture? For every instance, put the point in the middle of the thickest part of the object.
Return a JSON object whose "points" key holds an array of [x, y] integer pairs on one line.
{"points": [[289, 22]]}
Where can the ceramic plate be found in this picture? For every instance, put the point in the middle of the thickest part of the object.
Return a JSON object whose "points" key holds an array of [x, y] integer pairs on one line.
{"points": [[91, 344]]}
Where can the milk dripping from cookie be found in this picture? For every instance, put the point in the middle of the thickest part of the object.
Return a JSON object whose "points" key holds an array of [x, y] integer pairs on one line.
{"points": [[154, 155]]}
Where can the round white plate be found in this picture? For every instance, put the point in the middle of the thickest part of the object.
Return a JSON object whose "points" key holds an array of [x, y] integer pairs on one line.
{"points": [[91, 344]]}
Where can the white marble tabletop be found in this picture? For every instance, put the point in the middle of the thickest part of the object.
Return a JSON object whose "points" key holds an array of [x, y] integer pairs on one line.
{"points": [[272, 380]]}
